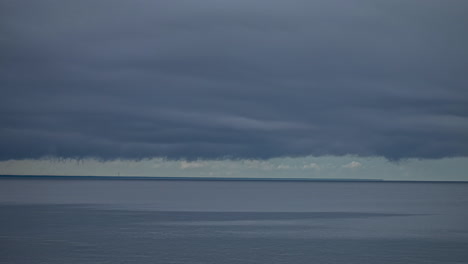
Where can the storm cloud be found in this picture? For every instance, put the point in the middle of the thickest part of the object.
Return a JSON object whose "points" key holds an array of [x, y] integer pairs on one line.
{"points": [[233, 79]]}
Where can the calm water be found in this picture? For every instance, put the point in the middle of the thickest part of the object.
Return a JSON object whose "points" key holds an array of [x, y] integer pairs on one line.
{"points": [[111, 221]]}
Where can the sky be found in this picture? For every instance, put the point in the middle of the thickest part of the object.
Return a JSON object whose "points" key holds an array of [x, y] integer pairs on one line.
{"points": [[99, 83]]}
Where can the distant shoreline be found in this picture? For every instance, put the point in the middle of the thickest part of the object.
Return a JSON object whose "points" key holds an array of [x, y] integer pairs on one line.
{"points": [[154, 178]]}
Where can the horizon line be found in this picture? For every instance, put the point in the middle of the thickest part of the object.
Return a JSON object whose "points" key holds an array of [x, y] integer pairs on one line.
{"points": [[161, 178]]}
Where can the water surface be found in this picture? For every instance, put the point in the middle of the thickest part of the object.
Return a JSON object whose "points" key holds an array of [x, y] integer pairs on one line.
{"points": [[112, 221]]}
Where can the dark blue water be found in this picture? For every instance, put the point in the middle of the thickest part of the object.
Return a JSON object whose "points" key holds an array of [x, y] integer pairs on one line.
{"points": [[110, 221]]}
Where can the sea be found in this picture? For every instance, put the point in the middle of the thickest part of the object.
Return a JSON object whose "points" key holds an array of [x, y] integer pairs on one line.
{"points": [[71, 221]]}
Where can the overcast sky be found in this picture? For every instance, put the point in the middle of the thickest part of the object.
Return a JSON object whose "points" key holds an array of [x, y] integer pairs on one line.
{"points": [[253, 80]]}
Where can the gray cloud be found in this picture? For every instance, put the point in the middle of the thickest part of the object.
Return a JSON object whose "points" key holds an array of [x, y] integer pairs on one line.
{"points": [[240, 79]]}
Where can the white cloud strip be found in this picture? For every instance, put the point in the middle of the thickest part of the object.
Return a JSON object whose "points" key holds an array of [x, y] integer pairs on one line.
{"points": [[344, 167]]}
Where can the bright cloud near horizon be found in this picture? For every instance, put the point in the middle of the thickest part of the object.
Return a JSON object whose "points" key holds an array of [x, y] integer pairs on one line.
{"points": [[254, 87], [324, 167]]}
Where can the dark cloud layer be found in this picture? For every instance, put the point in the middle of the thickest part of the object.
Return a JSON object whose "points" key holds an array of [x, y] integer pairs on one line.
{"points": [[249, 79]]}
